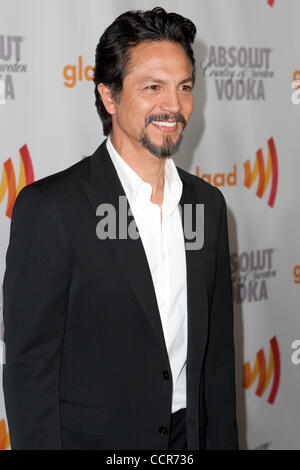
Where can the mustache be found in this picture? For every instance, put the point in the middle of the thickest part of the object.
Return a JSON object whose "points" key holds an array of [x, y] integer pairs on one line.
{"points": [[178, 117]]}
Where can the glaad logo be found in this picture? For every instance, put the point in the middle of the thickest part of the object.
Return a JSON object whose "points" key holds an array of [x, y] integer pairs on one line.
{"points": [[220, 179], [72, 73], [4, 436], [10, 51], [259, 170], [296, 272], [114, 223], [250, 272], [264, 373], [263, 174], [8, 182], [239, 72]]}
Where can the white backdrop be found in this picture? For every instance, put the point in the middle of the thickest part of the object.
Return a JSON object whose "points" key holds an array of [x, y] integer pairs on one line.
{"points": [[247, 55]]}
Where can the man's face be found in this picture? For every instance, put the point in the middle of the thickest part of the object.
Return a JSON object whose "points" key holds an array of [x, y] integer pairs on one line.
{"points": [[156, 101]]}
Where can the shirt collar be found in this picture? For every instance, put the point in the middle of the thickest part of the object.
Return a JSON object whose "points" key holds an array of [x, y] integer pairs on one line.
{"points": [[136, 188]]}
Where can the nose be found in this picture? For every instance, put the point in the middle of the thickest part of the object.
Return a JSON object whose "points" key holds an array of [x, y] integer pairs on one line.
{"points": [[171, 101]]}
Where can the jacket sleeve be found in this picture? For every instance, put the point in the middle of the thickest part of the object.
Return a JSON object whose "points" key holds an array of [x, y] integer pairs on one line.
{"points": [[35, 295], [219, 376]]}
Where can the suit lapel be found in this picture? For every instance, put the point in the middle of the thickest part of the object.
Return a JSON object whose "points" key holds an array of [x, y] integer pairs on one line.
{"points": [[196, 291], [104, 186]]}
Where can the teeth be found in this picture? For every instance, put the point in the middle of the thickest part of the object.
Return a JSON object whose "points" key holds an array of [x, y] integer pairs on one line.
{"points": [[165, 124]]}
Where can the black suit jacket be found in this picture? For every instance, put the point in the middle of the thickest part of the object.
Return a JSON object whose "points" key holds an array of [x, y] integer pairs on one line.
{"points": [[86, 358]]}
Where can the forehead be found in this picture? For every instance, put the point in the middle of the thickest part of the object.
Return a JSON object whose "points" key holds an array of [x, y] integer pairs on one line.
{"points": [[158, 57]]}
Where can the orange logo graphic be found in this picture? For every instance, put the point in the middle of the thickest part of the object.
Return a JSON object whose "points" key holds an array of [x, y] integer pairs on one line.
{"points": [[264, 374], [72, 73], [219, 179], [296, 272], [4, 436], [296, 78], [8, 182], [264, 175]]}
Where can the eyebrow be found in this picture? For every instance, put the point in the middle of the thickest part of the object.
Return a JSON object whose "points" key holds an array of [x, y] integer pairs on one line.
{"points": [[157, 80]]}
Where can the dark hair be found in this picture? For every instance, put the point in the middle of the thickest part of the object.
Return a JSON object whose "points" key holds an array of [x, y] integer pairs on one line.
{"points": [[128, 30]]}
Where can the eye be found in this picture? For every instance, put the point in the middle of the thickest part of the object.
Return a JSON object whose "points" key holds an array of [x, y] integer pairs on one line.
{"points": [[152, 87], [186, 88]]}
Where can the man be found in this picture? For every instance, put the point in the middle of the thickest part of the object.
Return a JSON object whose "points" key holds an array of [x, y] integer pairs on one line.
{"points": [[123, 339]]}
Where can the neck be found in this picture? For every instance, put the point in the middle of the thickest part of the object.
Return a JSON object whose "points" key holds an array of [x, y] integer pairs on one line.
{"points": [[149, 167]]}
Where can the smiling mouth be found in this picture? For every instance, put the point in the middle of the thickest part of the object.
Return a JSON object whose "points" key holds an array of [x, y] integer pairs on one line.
{"points": [[167, 126]]}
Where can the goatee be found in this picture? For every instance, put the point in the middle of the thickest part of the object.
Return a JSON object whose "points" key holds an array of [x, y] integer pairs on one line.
{"points": [[159, 151], [168, 148]]}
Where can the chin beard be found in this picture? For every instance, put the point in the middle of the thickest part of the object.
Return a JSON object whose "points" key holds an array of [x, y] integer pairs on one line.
{"points": [[165, 150]]}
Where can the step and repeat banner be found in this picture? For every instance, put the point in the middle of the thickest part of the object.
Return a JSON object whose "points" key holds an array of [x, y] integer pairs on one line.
{"points": [[244, 137]]}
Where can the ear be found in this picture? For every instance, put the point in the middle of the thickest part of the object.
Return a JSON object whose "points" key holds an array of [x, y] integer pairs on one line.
{"points": [[107, 98]]}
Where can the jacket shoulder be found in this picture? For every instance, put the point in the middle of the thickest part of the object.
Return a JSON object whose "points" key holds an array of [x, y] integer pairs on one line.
{"points": [[62, 182], [57, 187]]}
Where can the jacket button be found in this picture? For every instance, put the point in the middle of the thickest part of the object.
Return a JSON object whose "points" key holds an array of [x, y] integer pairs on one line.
{"points": [[166, 374], [163, 430]]}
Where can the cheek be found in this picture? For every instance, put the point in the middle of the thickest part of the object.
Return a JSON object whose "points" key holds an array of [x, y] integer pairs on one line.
{"points": [[136, 110], [188, 108], [145, 106], [131, 120], [190, 105]]}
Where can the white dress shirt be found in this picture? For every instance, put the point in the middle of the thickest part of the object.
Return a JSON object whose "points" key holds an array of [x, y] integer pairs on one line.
{"points": [[161, 233]]}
